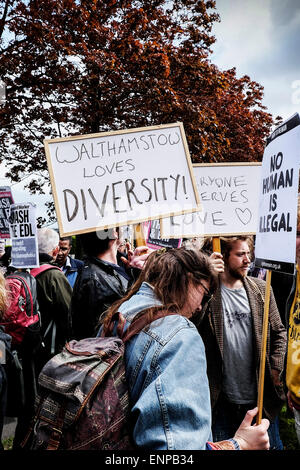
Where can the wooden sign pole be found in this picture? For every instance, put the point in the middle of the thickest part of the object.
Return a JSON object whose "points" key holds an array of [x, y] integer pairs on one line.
{"points": [[216, 244], [263, 348], [139, 235]]}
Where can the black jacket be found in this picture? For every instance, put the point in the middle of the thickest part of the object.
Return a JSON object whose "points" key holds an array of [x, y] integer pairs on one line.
{"points": [[5, 345], [97, 287], [283, 286]]}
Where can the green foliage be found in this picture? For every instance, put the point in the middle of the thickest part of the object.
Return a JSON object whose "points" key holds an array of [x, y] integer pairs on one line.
{"points": [[287, 430], [8, 443]]}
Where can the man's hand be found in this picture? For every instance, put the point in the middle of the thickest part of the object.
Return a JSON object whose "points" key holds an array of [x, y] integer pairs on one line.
{"points": [[253, 437], [136, 258], [217, 262]]}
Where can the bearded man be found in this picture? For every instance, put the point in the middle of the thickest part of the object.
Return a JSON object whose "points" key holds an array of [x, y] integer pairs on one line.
{"points": [[231, 328]]}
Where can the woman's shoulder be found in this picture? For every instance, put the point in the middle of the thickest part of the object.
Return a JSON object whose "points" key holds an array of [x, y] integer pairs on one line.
{"points": [[165, 328]]}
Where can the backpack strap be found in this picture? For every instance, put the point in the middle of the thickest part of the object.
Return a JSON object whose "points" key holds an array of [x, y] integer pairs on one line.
{"points": [[136, 325], [141, 321], [56, 435], [14, 361], [55, 438], [33, 422], [52, 325], [43, 267]]}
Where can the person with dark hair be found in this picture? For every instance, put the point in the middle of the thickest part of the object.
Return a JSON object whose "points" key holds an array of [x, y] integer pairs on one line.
{"points": [[231, 328], [5, 257], [69, 266], [104, 278], [165, 362]]}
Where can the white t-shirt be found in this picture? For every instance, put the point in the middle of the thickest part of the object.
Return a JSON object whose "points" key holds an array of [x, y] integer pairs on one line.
{"points": [[239, 382]]}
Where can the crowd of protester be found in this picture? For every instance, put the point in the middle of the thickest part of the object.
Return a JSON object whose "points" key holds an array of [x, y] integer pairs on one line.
{"points": [[193, 372]]}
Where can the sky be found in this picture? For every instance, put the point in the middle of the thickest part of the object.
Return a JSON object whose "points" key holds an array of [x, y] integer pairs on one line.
{"points": [[261, 38]]}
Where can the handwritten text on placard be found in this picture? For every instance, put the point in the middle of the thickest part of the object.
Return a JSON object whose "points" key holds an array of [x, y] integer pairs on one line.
{"points": [[119, 178], [229, 199]]}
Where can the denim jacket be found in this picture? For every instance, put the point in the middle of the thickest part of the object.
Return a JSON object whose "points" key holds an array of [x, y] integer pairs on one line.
{"points": [[166, 375]]}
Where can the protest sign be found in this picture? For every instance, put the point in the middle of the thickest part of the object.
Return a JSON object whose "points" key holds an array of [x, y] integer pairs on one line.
{"points": [[275, 245], [6, 200], [229, 198], [22, 224], [120, 178], [154, 239]]}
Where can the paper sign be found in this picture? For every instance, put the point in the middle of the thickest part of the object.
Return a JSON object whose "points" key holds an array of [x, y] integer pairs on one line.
{"points": [[120, 178], [23, 231], [275, 245], [229, 199], [155, 241], [6, 200]]}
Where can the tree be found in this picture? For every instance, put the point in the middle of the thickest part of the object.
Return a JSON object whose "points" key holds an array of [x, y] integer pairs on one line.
{"points": [[86, 66]]}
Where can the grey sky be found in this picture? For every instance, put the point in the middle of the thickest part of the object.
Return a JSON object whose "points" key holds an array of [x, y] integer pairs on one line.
{"points": [[261, 38]]}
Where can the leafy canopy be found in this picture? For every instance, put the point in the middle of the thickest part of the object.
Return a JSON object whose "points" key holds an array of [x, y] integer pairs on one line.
{"points": [[86, 66]]}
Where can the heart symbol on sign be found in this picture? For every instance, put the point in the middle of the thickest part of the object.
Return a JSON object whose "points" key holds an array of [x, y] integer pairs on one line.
{"points": [[244, 215]]}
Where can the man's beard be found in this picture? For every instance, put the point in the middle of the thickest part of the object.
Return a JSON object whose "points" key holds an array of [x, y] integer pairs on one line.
{"points": [[236, 274]]}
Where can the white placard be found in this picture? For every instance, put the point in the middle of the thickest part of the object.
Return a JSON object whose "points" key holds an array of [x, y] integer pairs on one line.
{"points": [[6, 199], [23, 234], [229, 199], [275, 245], [120, 178]]}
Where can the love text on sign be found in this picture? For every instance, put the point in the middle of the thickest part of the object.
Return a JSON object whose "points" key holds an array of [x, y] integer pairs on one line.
{"points": [[229, 200]]}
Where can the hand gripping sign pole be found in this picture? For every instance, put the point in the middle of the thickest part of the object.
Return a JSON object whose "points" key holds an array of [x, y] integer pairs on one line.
{"points": [[277, 221], [217, 248], [216, 244], [261, 379]]}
